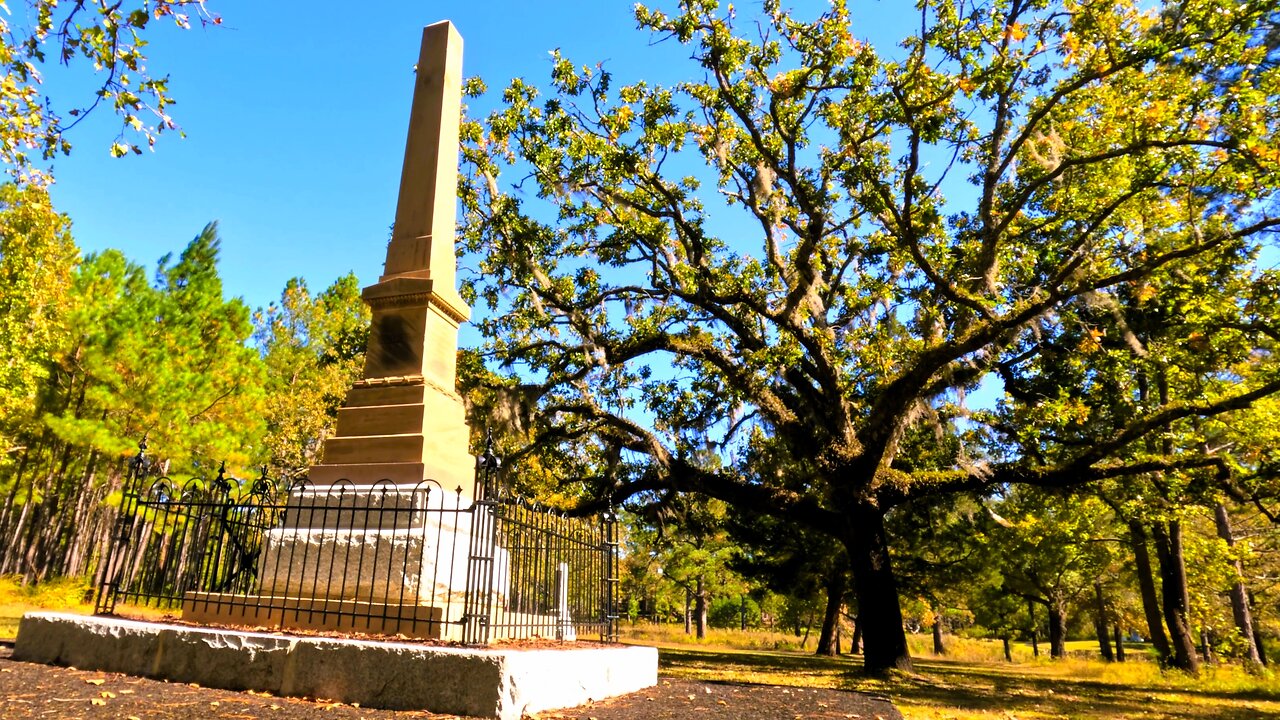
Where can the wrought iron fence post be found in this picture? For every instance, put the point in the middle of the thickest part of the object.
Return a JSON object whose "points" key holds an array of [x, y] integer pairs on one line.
{"points": [[104, 601], [478, 604], [609, 607]]}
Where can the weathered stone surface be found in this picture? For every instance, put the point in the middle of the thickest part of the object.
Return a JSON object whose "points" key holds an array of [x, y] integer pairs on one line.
{"points": [[235, 661], [413, 566], [292, 613], [505, 684], [541, 680], [364, 507], [406, 408]]}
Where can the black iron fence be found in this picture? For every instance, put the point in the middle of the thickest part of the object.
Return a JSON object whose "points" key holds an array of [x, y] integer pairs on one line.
{"points": [[413, 561]]}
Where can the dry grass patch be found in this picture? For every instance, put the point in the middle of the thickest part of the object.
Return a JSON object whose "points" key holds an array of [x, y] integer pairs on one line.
{"points": [[955, 689]]}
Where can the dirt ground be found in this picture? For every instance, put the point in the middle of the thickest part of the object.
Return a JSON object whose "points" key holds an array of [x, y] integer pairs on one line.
{"points": [[30, 691]]}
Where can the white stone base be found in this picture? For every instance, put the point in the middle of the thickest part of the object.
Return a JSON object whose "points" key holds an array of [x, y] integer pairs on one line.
{"points": [[374, 544], [491, 683]]}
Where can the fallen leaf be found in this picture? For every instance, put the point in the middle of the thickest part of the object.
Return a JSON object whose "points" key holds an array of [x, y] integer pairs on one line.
{"points": [[97, 701], [94, 681], [126, 692], [133, 717], [107, 694], [214, 703], [721, 702]]}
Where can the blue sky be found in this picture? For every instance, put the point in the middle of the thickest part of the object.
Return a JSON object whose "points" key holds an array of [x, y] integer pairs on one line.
{"points": [[296, 113]]}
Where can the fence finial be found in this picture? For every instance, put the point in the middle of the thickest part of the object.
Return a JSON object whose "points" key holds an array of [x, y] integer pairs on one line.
{"points": [[139, 461], [221, 481]]}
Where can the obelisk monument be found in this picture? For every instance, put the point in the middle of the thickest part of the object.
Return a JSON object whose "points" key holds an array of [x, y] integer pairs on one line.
{"points": [[404, 421]]}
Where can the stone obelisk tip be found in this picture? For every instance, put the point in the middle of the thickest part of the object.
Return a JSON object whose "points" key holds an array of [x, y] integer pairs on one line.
{"points": [[422, 238]]}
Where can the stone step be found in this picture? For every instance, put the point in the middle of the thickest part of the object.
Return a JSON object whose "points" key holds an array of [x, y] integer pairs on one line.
{"points": [[373, 449], [295, 613], [380, 420], [400, 473], [385, 395], [501, 682]]}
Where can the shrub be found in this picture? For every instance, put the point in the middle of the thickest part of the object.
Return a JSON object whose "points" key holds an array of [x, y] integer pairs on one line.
{"points": [[727, 612]]}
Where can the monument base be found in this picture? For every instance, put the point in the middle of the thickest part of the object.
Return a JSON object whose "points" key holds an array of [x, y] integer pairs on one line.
{"points": [[291, 613], [492, 683]]}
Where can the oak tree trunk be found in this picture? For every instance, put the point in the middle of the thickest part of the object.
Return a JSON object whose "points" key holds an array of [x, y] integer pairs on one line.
{"points": [[884, 640], [1173, 580], [1057, 631], [1100, 624], [836, 582], [1239, 594], [1147, 589]]}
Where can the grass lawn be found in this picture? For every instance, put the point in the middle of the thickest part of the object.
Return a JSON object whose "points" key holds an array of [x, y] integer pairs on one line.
{"points": [[15, 599], [956, 688], [971, 682]]}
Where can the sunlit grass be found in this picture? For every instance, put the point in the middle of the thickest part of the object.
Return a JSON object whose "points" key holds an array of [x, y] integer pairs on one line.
{"points": [[663, 634], [67, 594], [973, 682]]}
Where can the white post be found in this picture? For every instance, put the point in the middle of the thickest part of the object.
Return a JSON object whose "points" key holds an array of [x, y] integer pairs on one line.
{"points": [[565, 631]]}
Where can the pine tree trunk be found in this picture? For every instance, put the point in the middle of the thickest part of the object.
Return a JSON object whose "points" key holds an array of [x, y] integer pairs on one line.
{"points": [[1035, 634], [1239, 594], [1151, 608], [884, 640], [7, 514], [1173, 579], [938, 647], [700, 610], [1008, 651], [855, 642], [688, 611], [1100, 624], [808, 625], [1206, 646], [1119, 637]]}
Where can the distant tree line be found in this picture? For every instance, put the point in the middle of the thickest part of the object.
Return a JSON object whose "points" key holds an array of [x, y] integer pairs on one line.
{"points": [[100, 353]]}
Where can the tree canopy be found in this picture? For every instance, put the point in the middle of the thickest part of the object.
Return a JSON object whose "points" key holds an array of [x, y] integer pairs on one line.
{"points": [[821, 247], [110, 37]]}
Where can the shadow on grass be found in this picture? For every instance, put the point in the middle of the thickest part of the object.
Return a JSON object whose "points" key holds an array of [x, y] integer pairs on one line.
{"points": [[970, 687]]}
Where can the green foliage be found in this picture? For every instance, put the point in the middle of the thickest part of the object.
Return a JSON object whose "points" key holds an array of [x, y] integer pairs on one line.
{"points": [[37, 258], [165, 359], [728, 612], [810, 256], [313, 350], [109, 37]]}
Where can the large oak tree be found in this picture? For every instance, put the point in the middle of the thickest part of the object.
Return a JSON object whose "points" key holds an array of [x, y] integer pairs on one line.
{"points": [[821, 246]]}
